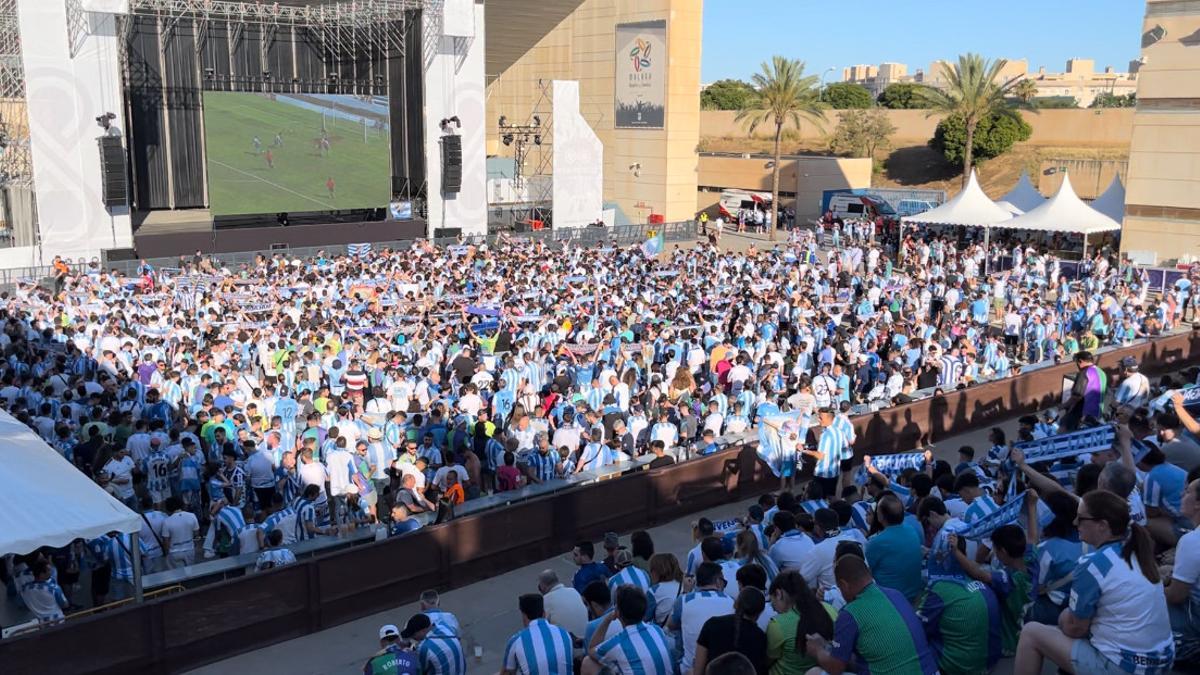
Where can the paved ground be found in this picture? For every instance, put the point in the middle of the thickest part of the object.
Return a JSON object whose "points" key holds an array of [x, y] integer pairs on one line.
{"points": [[487, 610]]}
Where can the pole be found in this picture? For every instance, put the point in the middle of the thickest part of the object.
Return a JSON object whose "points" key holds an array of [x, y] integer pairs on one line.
{"points": [[987, 231], [135, 552], [1084, 257]]}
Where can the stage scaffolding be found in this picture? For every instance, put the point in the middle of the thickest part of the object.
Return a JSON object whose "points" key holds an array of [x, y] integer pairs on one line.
{"points": [[338, 28], [16, 166]]}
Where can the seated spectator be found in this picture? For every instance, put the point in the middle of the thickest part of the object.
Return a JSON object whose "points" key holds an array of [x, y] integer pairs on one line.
{"points": [[275, 555], [1117, 610], [540, 646], [798, 614], [877, 629], [736, 632], [637, 647], [694, 608], [1183, 586], [894, 554]]}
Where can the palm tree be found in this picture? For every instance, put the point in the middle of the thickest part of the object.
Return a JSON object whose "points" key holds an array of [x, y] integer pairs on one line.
{"points": [[1025, 90], [783, 93], [974, 92]]}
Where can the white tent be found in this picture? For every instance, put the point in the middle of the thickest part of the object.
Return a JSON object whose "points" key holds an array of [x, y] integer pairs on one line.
{"points": [[1024, 196], [969, 207], [1064, 212], [1008, 206], [1112, 202], [45, 501]]}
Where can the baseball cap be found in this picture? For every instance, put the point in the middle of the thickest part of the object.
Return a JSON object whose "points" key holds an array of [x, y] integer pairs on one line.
{"points": [[416, 624], [611, 540], [1129, 362], [388, 631]]}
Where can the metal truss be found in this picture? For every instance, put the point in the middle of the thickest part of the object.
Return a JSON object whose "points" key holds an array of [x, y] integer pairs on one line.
{"points": [[77, 26], [16, 158], [335, 25]]}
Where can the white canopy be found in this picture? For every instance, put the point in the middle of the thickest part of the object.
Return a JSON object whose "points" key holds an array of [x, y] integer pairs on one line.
{"points": [[969, 207], [1112, 202], [1064, 212], [45, 501], [1024, 196], [1008, 206]]}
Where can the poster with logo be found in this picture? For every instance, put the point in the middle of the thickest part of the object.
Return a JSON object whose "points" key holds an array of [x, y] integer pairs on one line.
{"points": [[641, 83]]}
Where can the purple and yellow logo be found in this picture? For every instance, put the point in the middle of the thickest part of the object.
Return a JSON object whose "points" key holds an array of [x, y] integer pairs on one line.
{"points": [[640, 55]]}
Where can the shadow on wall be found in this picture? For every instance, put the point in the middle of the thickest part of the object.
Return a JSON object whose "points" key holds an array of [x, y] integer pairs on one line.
{"points": [[918, 165]]}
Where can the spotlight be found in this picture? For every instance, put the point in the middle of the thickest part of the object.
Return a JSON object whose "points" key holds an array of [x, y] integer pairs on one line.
{"points": [[208, 73], [266, 74], [507, 139], [537, 121], [457, 122], [537, 139], [105, 120], [503, 121], [333, 77]]}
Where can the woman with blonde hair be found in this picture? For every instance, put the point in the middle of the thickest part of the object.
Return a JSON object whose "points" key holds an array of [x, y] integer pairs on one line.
{"points": [[749, 553], [666, 578], [682, 384]]}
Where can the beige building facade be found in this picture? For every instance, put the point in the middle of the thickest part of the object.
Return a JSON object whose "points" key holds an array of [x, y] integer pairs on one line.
{"points": [[1162, 197], [802, 179], [650, 161]]}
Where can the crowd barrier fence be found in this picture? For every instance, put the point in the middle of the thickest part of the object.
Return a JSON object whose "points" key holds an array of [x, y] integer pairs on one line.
{"points": [[213, 622]]}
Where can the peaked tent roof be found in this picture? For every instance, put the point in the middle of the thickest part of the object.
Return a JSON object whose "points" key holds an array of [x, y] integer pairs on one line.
{"points": [[1112, 202], [1010, 207], [46, 501], [1024, 196], [968, 207], [1064, 212]]}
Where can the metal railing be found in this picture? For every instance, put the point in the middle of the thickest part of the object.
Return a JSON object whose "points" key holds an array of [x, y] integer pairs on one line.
{"points": [[618, 235]]}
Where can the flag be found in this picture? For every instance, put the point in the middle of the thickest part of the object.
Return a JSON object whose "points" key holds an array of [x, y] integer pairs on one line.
{"points": [[1073, 444], [1005, 515], [776, 447], [891, 465], [361, 251], [654, 244]]}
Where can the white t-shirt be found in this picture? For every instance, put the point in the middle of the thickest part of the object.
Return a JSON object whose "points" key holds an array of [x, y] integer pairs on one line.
{"points": [[696, 608], [181, 527], [1187, 562], [121, 468]]}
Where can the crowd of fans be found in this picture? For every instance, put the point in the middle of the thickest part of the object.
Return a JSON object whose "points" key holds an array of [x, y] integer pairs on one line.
{"points": [[937, 569], [243, 410]]}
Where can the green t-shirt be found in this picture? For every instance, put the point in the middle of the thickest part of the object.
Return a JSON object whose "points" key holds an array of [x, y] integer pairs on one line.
{"points": [[1013, 588], [781, 643], [962, 622]]}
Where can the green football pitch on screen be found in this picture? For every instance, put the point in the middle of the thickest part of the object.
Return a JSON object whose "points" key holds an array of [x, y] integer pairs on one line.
{"points": [[268, 153]]}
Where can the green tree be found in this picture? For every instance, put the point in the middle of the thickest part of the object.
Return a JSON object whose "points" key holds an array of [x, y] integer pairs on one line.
{"points": [[973, 92], [1110, 100], [1055, 102], [727, 95], [1025, 90], [994, 135], [846, 96], [860, 133], [785, 94], [900, 95]]}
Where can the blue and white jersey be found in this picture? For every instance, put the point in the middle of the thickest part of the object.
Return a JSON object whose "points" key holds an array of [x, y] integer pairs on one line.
{"points": [[640, 649], [666, 432], [982, 506], [440, 616], [630, 576], [541, 648], [691, 611], [1057, 559], [1164, 488], [542, 465], [597, 455], [842, 422], [231, 520], [831, 445], [158, 473], [271, 523], [1130, 624], [306, 512], [494, 454], [441, 653], [117, 552], [274, 557]]}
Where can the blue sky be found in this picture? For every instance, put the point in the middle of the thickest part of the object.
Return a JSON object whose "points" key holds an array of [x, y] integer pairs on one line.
{"points": [[740, 34]]}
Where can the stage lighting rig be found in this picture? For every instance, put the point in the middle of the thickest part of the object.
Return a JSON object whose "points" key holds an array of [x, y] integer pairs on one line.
{"points": [[105, 120]]}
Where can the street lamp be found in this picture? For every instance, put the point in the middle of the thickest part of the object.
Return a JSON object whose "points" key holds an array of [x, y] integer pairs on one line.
{"points": [[828, 70]]}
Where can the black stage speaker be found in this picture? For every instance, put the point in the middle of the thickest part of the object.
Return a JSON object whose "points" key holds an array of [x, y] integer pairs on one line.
{"points": [[451, 163], [447, 232], [113, 171]]}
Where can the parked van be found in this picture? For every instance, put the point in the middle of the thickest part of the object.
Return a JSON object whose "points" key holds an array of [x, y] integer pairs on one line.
{"points": [[732, 200]]}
